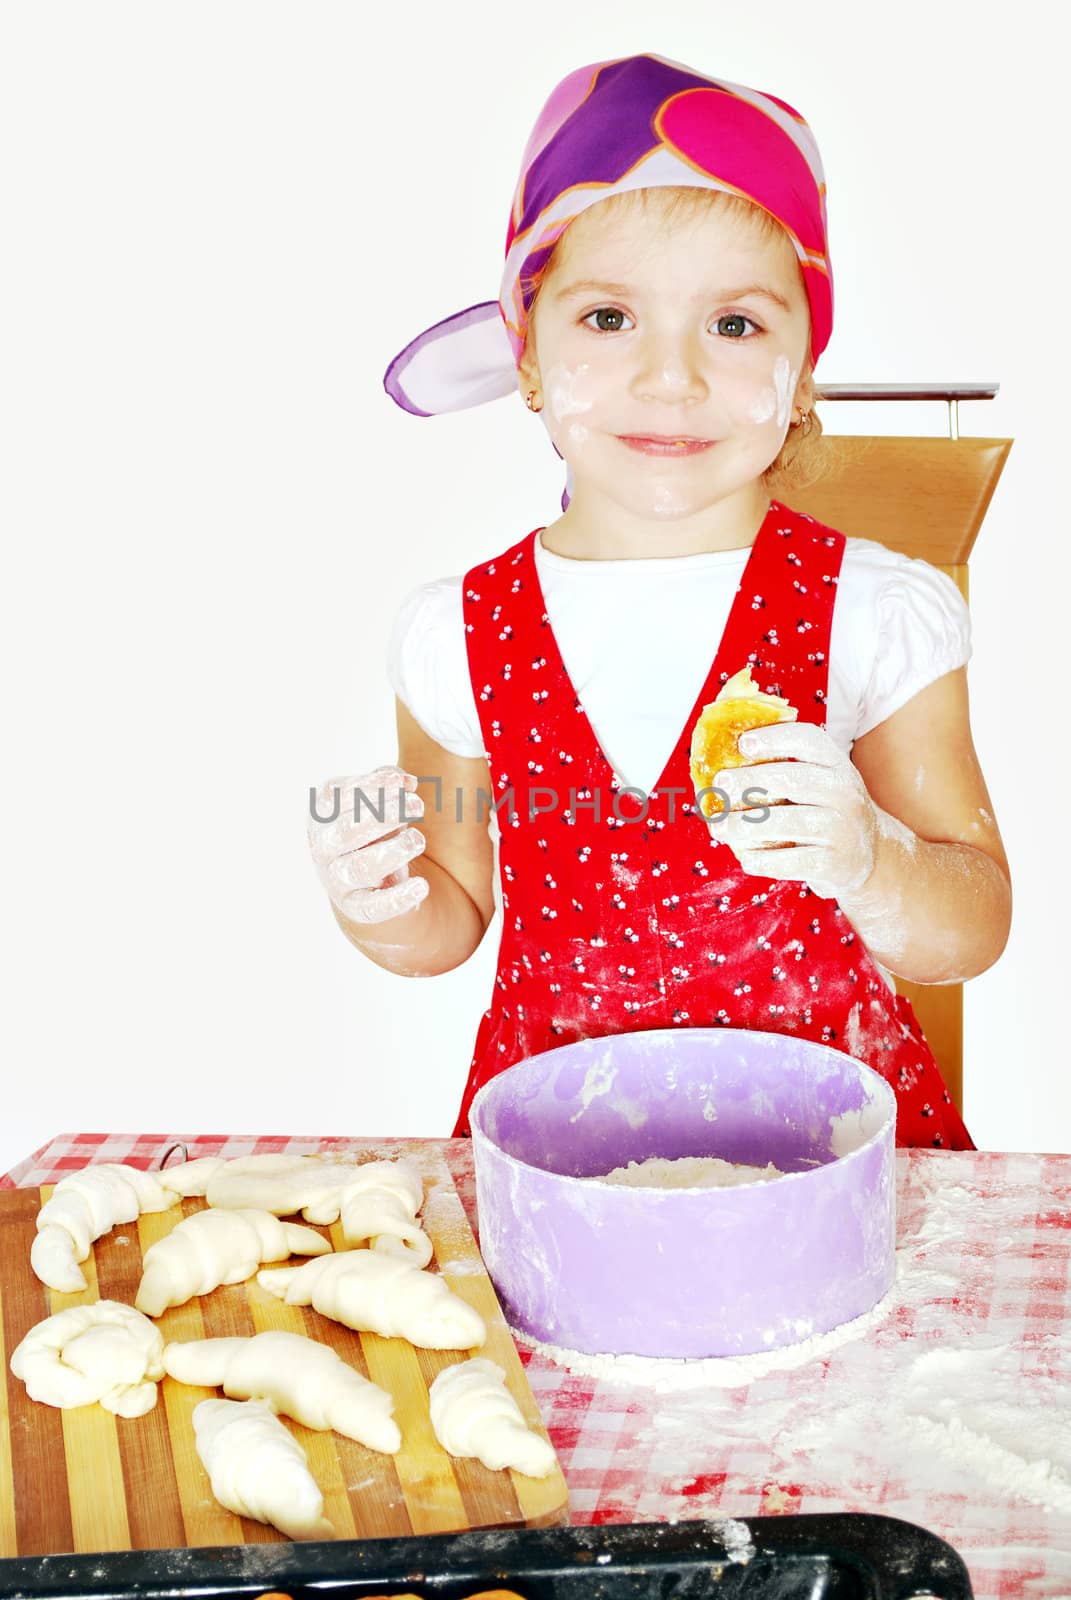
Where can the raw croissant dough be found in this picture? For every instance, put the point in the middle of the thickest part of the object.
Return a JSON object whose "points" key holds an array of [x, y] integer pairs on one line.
{"points": [[214, 1247], [106, 1351], [190, 1177], [739, 705], [82, 1207], [474, 1414], [378, 1200], [257, 1467], [306, 1380], [282, 1184], [380, 1294]]}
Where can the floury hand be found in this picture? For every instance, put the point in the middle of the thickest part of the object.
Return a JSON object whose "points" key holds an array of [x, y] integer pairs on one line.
{"points": [[360, 857], [827, 835]]}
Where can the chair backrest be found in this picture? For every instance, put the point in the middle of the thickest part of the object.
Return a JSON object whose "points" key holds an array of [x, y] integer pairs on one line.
{"points": [[925, 497]]}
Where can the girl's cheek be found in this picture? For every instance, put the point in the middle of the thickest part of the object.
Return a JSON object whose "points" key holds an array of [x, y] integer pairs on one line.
{"points": [[765, 400], [785, 380], [570, 393], [763, 407]]}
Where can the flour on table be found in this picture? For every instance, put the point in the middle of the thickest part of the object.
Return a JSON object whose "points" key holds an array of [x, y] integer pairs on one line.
{"points": [[688, 1172], [936, 1392], [675, 1374]]}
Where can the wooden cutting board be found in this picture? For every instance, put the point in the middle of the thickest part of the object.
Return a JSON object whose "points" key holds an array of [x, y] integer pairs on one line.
{"points": [[85, 1480]]}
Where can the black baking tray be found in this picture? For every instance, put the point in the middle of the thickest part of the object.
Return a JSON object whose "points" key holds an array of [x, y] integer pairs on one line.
{"points": [[841, 1556]]}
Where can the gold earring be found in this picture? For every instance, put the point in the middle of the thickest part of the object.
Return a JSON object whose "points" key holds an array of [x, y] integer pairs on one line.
{"points": [[529, 397], [805, 420]]}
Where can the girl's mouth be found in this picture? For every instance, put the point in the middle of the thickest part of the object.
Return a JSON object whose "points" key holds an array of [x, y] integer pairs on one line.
{"points": [[666, 447]]}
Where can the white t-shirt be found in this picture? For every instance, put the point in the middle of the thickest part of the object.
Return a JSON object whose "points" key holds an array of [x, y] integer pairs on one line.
{"points": [[638, 637]]}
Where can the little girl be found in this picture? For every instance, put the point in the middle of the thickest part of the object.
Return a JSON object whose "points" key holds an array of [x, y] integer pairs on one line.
{"points": [[666, 295]]}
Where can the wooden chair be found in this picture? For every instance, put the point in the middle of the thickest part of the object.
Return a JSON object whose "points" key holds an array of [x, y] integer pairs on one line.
{"points": [[925, 497]]}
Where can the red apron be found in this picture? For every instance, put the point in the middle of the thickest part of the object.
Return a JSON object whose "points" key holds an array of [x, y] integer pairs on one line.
{"points": [[623, 912]]}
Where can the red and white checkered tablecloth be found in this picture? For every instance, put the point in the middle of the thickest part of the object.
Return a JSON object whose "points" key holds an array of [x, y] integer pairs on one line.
{"points": [[950, 1406]]}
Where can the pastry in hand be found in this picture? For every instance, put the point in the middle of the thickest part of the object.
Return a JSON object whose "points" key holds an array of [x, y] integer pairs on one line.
{"points": [[740, 705]]}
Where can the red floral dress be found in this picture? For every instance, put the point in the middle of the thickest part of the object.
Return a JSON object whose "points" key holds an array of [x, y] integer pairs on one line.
{"points": [[623, 912]]}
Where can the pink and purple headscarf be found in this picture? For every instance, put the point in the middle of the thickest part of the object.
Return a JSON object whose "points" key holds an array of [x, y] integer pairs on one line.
{"points": [[640, 122]]}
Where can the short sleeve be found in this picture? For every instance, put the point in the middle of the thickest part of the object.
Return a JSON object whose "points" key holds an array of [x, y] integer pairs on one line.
{"points": [[923, 630], [427, 666]]}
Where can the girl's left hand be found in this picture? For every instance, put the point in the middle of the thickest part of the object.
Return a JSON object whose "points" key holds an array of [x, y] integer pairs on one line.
{"points": [[829, 834]]}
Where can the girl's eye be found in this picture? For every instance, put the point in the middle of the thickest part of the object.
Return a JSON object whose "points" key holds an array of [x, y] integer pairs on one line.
{"points": [[603, 311], [731, 324], [736, 318]]}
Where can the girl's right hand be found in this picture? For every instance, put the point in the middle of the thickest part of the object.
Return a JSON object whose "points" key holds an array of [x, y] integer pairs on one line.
{"points": [[365, 873]]}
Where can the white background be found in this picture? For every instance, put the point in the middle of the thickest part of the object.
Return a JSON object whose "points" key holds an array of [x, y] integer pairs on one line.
{"points": [[221, 222]]}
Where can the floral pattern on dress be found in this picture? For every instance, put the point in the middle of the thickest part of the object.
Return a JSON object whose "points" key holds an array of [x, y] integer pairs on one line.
{"points": [[623, 911]]}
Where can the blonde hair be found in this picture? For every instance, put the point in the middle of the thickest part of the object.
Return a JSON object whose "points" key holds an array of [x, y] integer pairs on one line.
{"points": [[803, 457]]}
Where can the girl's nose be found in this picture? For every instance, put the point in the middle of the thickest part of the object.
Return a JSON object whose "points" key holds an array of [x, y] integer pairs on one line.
{"points": [[669, 366]]}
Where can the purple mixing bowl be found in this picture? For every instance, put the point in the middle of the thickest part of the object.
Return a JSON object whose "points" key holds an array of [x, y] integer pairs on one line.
{"points": [[602, 1267]]}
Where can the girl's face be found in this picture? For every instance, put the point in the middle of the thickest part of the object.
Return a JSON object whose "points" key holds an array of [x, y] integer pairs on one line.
{"points": [[698, 330]]}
